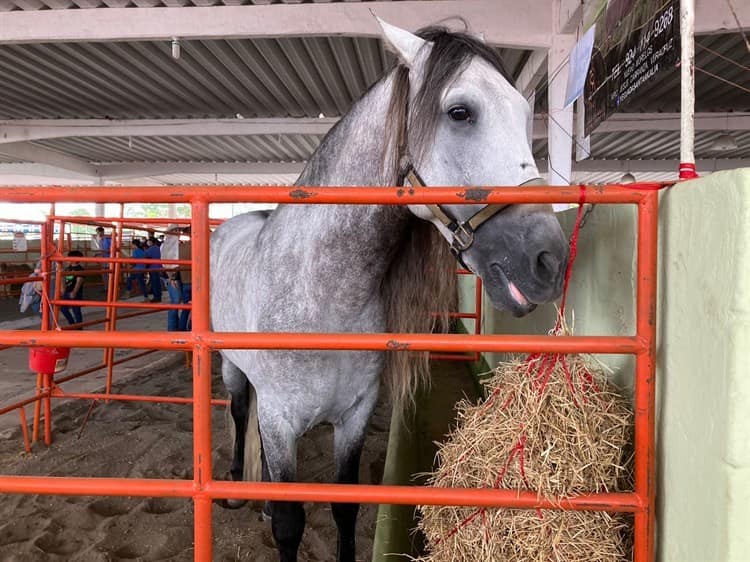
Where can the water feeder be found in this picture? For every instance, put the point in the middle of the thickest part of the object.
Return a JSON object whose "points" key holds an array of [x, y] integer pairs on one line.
{"points": [[48, 360]]}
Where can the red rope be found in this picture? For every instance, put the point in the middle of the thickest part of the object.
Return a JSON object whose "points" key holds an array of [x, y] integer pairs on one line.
{"points": [[573, 253]]}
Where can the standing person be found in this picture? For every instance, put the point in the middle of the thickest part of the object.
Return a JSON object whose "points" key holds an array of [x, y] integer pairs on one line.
{"points": [[178, 279], [138, 276], [73, 289], [154, 253], [104, 241]]}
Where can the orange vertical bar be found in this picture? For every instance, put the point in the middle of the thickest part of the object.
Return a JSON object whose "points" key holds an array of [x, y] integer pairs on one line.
{"points": [[59, 267], [37, 410], [201, 382], [113, 291], [24, 429], [477, 312], [44, 247], [645, 387], [47, 409]]}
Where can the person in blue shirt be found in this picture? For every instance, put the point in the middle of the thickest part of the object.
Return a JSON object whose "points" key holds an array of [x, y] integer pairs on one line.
{"points": [[138, 276], [154, 253], [105, 249]]}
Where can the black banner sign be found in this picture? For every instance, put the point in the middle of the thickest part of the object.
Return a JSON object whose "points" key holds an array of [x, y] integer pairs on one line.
{"points": [[636, 42]]}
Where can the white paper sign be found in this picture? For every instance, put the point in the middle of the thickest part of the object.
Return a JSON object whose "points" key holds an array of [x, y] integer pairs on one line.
{"points": [[580, 57], [19, 242]]}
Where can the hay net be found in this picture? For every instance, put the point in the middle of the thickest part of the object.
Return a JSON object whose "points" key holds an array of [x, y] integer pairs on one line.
{"points": [[554, 424]]}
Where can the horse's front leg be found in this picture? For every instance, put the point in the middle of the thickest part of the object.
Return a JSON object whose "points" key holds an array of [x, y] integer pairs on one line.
{"points": [[280, 454], [349, 438]]}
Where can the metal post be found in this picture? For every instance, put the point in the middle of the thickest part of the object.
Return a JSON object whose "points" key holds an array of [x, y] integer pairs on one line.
{"points": [[201, 382], [645, 384], [687, 90]]}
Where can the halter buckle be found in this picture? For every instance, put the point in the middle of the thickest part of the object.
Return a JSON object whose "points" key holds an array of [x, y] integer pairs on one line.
{"points": [[463, 237]]}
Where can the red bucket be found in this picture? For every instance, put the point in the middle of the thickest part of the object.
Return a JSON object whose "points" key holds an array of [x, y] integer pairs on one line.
{"points": [[48, 360]]}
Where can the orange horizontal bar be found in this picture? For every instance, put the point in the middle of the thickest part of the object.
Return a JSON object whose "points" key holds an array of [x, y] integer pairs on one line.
{"points": [[121, 304], [309, 492], [328, 195], [145, 261], [22, 221], [129, 223], [333, 341], [417, 495], [134, 398], [69, 486]]}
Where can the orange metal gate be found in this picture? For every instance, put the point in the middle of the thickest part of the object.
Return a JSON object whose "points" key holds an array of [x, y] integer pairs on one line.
{"points": [[203, 489]]}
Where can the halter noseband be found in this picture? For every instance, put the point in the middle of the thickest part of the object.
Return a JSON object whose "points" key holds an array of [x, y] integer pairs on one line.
{"points": [[462, 231]]}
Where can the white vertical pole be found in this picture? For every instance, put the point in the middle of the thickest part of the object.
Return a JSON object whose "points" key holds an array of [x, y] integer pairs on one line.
{"points": [[560, 120], [687, 87], [99, 209], [171, 210], [530, 123]]}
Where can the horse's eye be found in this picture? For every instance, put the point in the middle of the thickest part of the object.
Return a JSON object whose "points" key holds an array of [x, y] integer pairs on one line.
{"points": [[460, 113]]}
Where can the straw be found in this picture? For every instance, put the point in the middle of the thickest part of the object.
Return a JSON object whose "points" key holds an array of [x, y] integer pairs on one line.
{"points": [[554, 424]]}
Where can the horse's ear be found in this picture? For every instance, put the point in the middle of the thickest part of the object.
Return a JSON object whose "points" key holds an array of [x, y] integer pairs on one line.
{"points": [[402, 43], [478, 35]]}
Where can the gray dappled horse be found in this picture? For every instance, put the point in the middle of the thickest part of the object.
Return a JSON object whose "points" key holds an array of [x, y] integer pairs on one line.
{"points": [[448, 112]]}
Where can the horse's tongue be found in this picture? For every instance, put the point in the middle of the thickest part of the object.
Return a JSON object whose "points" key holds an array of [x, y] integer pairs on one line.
{"points": [[517, 295]]}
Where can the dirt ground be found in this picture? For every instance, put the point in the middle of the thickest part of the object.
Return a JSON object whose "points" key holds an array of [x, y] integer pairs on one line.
{"points": [[141, 440]]}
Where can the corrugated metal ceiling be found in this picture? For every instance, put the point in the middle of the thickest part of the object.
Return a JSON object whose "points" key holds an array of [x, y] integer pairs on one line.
{"points": [[255, 78], [289, 77]]}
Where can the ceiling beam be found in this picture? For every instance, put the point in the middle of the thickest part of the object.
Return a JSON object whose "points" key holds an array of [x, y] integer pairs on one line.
{"points": [[8, 173], [716, 17], [570, 15], [138, 169], [531, 25], [38, 129], [634, 122], [141, 170], [643, 166], [532, 72], [28, 152], [20, 130]]}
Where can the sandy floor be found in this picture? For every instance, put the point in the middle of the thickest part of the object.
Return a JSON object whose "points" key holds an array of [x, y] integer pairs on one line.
{"points": [[150, 441]]}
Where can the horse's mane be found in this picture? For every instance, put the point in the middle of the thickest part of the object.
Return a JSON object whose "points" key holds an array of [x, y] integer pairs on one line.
{"points": [[421, 279]]}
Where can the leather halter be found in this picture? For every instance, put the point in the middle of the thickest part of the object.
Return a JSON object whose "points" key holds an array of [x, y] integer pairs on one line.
{"points": [[462, 231]]}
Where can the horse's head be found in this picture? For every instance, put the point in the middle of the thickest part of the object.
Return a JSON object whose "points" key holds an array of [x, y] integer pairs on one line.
{"points": [[465, 124]]}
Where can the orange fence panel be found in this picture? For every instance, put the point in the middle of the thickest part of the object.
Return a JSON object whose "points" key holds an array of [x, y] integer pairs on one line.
{"points": [[201, 341]]}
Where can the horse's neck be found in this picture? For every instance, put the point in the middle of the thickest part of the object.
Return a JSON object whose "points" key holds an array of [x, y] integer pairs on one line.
{"points": [[364, 238], [353, 152]]}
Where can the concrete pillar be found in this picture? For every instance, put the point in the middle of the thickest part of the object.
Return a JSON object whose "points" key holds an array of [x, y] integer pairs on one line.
{"points": [[560, 121]]}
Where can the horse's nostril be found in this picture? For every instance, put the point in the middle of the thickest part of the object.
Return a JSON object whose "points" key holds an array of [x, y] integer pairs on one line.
{"points": [[547, 267]]}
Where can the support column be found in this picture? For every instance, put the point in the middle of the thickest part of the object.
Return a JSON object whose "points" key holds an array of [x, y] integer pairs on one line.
{"points": [[559, 120], [687, 87]]}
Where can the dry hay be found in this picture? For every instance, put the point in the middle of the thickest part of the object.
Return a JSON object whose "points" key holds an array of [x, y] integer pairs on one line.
{"points": [[552, 423]]}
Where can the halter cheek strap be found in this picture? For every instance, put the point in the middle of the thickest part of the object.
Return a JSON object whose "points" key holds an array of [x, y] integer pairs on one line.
{"points": [[462, 231]]}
